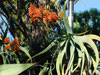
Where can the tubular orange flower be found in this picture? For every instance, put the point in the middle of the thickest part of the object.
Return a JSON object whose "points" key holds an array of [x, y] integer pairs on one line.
{"points": [[50, 18], [41, 13], [46, 13], [45, 20], [35, 13], [31, 9], [53, 17], [8, 47], [16, 42], [41, 9], [34, 19], [6, 40], [16, 48]]}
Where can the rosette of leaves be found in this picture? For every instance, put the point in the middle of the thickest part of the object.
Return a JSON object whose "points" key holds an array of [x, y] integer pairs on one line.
{"points": [[77, 54]]}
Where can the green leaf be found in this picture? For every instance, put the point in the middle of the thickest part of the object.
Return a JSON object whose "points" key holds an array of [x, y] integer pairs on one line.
{"points": [[79, 60], [92, 36], [84, 72], [63, 69], [45, 50], [62, 43], [72, 49], [79, 41], [60, 59], [94, 62], [44, 70], [83, 61], [26, 52], [16, 58], [13, 69], [68, 28], [93, 46], [50, 71]]}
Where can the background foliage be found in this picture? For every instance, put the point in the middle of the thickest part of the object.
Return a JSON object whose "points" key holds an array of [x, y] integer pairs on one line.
{"points": [[34, 39]]}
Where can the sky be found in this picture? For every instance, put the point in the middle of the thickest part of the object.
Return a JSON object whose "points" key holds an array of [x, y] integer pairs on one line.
{"points": [[80, 6]]}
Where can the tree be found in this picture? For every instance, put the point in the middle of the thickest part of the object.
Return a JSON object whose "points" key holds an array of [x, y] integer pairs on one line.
{"points": [[88, 21]]}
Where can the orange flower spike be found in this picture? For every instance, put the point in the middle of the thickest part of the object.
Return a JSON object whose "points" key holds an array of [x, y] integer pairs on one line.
{"points": [[16, 42], [55, 16], [6, 40], [38, 13], [41, 9], [32, 20], [30, 12], [32, 9], [8, 47], [35, 13], [50, 18], [46, 13], [45, 20], [16, 48]]}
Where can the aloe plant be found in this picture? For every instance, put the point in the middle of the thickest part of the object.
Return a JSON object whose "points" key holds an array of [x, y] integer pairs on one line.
{"points": [[77, 54]]}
